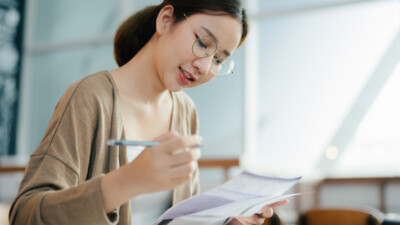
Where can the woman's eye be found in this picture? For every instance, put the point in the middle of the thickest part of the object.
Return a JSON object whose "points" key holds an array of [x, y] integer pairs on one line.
{"points": [[202, 44], [218, 61]]}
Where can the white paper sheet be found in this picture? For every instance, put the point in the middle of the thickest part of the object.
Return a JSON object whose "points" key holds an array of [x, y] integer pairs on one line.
{"points": [[243, 195]]}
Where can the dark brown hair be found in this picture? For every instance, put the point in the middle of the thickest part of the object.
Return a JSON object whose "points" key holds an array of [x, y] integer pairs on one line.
{"points": [[137, 30]]}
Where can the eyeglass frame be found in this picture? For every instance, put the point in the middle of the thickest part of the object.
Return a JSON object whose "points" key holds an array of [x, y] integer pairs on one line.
{"points": [[198, 37]]}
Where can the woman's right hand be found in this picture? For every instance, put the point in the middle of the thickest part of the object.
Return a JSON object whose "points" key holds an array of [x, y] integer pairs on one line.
{"points": [[157, 168], [166, 165]]}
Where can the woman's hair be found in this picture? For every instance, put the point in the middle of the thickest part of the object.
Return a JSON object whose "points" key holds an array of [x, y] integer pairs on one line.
{"points": [[137, 30]]}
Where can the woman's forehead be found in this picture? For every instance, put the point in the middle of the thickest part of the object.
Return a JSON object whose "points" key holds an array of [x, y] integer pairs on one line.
{"points": [[226, 29]]}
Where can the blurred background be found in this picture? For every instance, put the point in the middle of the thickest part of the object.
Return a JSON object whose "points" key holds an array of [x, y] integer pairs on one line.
{"points": [[315, 93]]}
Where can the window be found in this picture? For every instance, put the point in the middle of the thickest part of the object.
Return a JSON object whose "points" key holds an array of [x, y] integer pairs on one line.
{"points": [[313, 63]]}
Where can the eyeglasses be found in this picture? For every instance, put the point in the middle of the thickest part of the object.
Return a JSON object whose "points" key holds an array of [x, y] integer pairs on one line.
{"points": [[206, 46]]}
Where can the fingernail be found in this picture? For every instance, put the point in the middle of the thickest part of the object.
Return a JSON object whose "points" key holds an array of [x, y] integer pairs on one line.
{"points": [[198, 154], [199, 139]]}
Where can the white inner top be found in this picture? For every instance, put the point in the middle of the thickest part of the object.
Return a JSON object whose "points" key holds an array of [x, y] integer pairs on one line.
{"points": [[147, 208]]}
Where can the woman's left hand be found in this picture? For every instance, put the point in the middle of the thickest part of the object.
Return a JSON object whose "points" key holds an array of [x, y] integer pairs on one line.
{"points": [[267, 212]]}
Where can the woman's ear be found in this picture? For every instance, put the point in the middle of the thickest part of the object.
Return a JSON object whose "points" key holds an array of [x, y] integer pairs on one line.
{"points": [[165, 19]]}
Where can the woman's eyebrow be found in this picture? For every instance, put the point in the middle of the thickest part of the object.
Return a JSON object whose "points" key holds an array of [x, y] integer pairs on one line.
{"points": [[227, 53]]}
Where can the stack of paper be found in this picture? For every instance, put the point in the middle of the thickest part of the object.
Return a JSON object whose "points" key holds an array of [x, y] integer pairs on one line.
{"points": [[243, 195]]}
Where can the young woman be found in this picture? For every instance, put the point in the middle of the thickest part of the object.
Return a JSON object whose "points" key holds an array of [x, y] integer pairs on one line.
{"points": [[73, 177]]}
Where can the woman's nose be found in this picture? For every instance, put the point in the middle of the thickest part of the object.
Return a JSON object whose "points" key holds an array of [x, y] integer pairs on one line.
{"points": [[204, 64]]}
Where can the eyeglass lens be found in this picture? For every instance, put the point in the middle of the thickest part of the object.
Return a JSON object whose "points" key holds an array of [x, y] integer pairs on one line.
{"points": [[205, 46]]}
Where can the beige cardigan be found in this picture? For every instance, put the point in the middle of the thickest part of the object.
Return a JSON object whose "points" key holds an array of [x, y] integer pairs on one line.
{"points": [[61, 184]]}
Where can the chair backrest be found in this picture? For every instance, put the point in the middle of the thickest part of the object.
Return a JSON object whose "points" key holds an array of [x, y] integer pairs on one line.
{"points": [[338, 216], [274, 220]]}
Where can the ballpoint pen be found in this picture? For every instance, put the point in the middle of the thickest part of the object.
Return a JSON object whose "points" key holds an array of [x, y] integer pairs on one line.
{"points": [[126, 142]]}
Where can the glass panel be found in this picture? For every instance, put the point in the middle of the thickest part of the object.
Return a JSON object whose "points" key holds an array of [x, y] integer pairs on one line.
{"points": [[220, 107], [58, 20], [377, 141], [54, 72], [138, 4], [293, 5], [312, 67]]}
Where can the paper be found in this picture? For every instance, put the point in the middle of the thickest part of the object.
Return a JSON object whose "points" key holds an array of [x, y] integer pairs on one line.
{"points": [[243, 195]]}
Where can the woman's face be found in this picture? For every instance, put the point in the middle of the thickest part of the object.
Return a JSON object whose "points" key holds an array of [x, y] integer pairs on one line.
{"points": [[176, 64]]}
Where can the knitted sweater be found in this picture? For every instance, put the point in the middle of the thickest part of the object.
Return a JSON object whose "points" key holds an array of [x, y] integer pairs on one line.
{"points": [[61, 184]]}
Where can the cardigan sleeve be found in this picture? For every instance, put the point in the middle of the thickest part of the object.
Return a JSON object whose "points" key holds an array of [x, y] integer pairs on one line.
{"points": [[193, 128], [54, 189], [195, 131]]}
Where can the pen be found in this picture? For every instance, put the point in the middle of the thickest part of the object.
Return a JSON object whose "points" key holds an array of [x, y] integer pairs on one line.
{"points": [[125, 142], [114, 142]]}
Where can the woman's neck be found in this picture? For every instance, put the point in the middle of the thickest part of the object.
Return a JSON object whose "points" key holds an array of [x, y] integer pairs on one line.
{"points": [[138, 80]]}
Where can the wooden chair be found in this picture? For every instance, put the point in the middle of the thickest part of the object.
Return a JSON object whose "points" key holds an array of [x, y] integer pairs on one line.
{"points": [[336, 216], [274, 220]]}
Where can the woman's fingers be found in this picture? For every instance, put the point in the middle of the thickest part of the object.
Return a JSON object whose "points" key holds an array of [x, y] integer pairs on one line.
{"points": [[245, 220], [185, 157], [283, 202], [172, 143], [166, 136], [267, 212], [166, 165], [184, 171]]}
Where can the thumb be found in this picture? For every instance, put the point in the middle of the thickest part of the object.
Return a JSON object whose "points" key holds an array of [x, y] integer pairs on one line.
{"points": [[181, 143]]}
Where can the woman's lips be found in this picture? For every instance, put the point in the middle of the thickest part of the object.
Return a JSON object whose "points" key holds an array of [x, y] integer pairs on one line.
{"points": [[185, 77]]}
